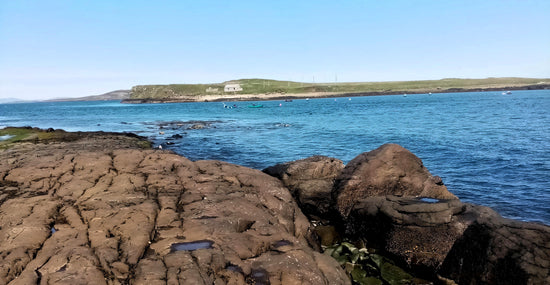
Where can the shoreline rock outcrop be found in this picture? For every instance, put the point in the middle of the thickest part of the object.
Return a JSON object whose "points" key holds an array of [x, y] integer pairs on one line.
{"points": [[124, 215], [310, 181], [387, 170], [97, 208], [387, 200]]}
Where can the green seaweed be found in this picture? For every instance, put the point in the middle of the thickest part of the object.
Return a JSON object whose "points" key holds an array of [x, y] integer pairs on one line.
{"points": [[367, 268]]}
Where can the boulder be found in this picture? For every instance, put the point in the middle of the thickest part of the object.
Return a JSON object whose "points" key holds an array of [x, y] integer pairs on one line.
{"points": [[77, 212], [467, 243], [310, 181], [387, 170], [494, 250], [418, 234], [388, 200]]}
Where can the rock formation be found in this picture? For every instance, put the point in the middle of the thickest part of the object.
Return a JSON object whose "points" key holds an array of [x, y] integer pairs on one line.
{"points": [[388, 170], [467, 243], [87, 211], [95, 208], [389, 201], [310, 181]]}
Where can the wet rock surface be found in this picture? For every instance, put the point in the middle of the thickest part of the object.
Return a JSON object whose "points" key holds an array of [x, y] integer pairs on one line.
{"points": [[97, 210], [467, 243]]}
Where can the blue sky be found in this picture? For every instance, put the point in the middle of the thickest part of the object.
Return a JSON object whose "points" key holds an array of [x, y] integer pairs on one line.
{"points": [[77, 48]]}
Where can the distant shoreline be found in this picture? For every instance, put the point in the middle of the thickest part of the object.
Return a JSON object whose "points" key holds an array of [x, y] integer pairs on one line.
{"points": [[313, 95]]}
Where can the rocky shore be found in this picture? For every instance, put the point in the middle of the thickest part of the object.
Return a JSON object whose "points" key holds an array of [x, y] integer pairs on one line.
{"points": [[98, 208]]}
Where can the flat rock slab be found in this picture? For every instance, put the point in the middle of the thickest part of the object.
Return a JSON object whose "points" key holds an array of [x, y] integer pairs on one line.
{"points": [[83, 212]]}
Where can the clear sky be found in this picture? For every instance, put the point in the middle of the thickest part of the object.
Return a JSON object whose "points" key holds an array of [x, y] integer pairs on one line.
{"points": [[78, 48]]}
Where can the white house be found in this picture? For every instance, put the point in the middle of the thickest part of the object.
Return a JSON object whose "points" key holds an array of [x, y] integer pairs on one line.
{"points": [[232, 88]]}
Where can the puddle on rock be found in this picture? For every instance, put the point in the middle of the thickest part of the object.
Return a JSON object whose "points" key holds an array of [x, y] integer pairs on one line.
{"points": [[259, 276], [234, 268], [206, 217], [282, 242], [190, 246], [429, 200]]}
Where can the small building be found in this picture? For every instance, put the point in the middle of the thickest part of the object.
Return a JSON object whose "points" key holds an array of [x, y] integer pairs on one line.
{"points": [[232, 88]]}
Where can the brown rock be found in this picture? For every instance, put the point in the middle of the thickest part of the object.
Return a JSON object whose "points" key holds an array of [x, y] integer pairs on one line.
{"points": [[79, 211], [463, 242], [494, 250], [310, 181], [387, 170]]}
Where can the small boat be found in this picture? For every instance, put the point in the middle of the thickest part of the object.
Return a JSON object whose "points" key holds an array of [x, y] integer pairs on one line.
{"points": [[508, 92], [255, 106], [288, 100]]}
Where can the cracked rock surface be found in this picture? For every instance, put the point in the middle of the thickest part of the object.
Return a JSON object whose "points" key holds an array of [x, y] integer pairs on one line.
{"points": [[98, 210]]}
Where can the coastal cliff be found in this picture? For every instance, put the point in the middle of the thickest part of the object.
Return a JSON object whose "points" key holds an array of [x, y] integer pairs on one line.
{"points": [[104, 208]]}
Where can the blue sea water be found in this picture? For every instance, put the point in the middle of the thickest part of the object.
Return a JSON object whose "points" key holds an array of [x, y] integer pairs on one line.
{"points": [[489, 148]]}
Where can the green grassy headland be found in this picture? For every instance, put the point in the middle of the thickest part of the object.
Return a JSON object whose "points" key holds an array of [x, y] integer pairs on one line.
{"points": [[265, 87]]}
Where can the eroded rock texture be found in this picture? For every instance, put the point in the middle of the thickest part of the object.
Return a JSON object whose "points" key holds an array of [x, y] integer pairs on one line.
{"points": [[380, 195], [467, 243], [310, 181], [82, 213], [389, 201], [387, 170]]}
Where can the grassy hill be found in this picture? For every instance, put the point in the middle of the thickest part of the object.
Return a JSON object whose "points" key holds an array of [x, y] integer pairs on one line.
{"points": [[113, 95], [264, 87]]}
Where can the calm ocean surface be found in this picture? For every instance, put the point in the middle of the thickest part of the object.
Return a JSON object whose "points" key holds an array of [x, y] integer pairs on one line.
{"points": [[489, 148]]}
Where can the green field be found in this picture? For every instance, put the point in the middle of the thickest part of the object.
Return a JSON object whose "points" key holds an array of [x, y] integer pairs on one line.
{"points": [[267, 86]]}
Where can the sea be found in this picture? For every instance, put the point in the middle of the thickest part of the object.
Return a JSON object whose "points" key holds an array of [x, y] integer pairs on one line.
{"points": [[490, 148]]}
